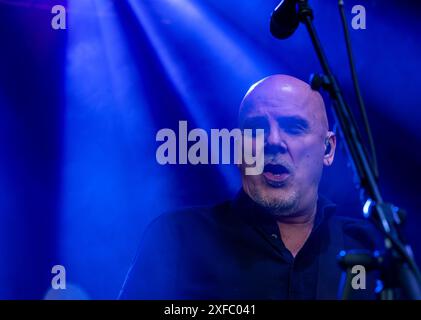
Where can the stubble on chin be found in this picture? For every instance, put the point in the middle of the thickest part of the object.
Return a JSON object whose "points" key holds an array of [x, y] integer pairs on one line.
{"points": [[281, 206]]}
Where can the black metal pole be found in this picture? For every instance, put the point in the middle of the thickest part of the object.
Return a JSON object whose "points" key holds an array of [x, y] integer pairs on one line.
{"points": [[409, 274]]}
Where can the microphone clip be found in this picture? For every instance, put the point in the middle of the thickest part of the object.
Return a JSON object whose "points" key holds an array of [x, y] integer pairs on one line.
{"points": [[320, 80], [304, 10]]}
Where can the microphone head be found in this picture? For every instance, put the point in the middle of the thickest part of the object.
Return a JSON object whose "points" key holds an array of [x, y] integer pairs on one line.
{"points": [[284, 19]]}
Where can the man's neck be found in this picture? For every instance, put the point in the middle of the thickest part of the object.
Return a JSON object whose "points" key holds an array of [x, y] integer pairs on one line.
{"points": [[296, 229]]}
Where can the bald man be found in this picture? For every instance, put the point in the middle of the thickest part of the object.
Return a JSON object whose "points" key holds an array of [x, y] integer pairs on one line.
{"points": [[298, 144], [278, 239]]}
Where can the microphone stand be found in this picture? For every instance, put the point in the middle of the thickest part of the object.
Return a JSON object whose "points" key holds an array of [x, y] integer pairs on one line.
{"points": [[396, 265]]}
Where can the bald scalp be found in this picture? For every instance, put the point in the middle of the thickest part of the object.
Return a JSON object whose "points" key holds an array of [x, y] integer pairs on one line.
{"points": [[280, 89]]}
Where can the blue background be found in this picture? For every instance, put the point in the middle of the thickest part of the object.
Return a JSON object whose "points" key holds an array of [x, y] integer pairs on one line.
{"points": [[79, 110]]}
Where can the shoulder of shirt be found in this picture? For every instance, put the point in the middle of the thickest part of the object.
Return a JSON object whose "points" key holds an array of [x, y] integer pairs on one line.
{"points": [[342, 220], [351, 221], [359, 229]]}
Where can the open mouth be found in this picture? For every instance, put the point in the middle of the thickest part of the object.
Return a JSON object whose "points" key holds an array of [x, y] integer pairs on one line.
{"points": [[276, 174]]}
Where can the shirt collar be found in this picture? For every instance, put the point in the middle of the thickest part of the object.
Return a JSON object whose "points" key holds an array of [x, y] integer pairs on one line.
{"points": [[258, 216]]}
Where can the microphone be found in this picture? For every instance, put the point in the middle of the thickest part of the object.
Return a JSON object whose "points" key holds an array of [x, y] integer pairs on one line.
{"points": [[284, 19]]}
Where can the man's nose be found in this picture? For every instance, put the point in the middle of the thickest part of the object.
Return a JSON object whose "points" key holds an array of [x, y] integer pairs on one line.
{"points": [[275, 141]]}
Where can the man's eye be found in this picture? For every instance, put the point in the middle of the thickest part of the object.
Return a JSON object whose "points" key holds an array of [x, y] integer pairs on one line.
{"points": [[253, 132], [294, 125], [255, 127], [295, 129]]}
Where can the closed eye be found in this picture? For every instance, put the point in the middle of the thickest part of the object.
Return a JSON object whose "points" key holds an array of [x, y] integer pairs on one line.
{"points": [[252, 124], [294, 125]]}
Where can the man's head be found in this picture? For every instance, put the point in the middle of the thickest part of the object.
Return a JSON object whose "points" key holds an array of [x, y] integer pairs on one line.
{"points": [[297, 143]]}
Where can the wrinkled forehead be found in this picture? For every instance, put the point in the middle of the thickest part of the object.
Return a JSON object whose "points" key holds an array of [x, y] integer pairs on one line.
{"points": [[284, 100]]}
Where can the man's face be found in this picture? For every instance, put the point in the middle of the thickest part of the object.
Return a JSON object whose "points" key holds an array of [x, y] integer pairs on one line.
{"points": [[295, 126]]}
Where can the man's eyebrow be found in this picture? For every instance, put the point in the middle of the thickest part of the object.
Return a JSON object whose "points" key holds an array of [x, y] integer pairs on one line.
{"points": [[252, 120], [284, 121], [293, 121]]}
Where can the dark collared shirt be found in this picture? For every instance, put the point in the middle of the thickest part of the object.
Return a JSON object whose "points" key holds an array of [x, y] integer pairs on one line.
{"points": [[235, 251]]}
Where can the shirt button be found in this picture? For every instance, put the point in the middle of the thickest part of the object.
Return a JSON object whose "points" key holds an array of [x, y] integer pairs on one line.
{"points": [[274, 236]]}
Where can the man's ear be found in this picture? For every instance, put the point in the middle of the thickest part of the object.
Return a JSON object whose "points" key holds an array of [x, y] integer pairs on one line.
{"points": [[330, 147]]}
